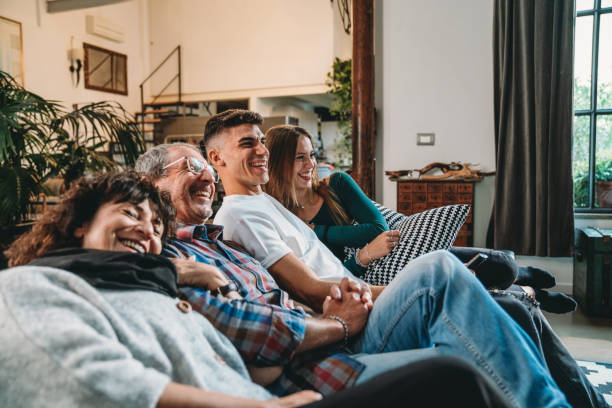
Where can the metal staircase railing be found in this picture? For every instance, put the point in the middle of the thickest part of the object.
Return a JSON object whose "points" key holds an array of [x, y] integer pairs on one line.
{"points": [[176, 77]]}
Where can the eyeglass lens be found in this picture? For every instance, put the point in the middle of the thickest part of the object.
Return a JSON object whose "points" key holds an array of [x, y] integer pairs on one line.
{"points": [[198, 167]]}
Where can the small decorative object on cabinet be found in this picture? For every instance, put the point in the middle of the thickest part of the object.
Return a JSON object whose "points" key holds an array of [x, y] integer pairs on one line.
{"points": [[415, 196]]}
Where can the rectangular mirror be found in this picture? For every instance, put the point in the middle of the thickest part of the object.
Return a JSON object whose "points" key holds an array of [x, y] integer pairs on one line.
{"points": [[105, 70]]}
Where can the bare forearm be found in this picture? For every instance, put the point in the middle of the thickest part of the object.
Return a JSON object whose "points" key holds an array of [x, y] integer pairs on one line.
{"points": [[302, 283], [320, 332]]}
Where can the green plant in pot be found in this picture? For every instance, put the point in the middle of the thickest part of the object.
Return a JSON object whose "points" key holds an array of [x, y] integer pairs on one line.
{"points": [[40, 140], [340, 86], [603, 177]]}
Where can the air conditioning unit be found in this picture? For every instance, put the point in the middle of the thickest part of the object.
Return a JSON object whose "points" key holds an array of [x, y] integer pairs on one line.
{"points": [[103, 27]]}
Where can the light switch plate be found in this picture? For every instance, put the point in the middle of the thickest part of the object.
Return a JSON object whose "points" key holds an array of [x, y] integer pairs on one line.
{"points": [[426, 139]]}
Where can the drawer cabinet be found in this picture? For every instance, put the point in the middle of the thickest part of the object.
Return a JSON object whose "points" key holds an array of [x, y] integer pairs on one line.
{"points": [[414, 196]]}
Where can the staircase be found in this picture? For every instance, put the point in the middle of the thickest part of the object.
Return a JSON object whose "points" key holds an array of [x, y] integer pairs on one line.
{"points": [[153, 113]]}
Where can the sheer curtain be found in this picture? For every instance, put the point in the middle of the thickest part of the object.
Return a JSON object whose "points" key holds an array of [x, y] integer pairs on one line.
{"points": [[533, 75]]}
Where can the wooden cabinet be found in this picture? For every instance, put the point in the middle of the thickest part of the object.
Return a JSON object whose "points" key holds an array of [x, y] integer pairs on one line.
{"points": [[415, 196]]}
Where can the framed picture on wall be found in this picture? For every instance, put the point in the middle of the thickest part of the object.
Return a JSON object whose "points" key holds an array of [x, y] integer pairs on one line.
{"points": [[11, 48]]}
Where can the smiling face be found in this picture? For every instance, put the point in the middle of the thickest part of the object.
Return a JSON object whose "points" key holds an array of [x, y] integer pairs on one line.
{"points": [[191, 193], [123, 227], [241, 158], [304, 164]]}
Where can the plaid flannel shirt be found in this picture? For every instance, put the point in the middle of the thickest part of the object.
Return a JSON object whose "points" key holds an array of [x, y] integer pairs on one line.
{"points": [[264, 326]]}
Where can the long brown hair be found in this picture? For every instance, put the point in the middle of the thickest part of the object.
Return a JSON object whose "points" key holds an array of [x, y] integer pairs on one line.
{"points": [[79, 205], [282, 142]]}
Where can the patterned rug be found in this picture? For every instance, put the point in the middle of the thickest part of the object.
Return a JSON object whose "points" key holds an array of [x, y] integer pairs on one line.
{"points": [[600, 375]]}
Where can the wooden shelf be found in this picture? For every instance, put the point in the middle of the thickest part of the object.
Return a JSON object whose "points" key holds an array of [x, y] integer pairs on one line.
{"points": [[140, 122], [415, 196], [153, 112]]}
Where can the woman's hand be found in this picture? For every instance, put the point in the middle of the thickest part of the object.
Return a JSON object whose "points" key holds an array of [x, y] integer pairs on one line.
{"points": [[201, 275], [180, 395], [379, 247]]}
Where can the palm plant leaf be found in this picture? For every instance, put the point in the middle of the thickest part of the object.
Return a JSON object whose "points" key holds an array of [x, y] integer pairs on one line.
{"points": [[39, 140], [17, 188]]}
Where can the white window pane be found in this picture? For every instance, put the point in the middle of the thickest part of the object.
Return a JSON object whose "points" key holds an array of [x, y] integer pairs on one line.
{"points": [[584, 5], [581, 161], [582, 62], [604, 69], [606, 3]]}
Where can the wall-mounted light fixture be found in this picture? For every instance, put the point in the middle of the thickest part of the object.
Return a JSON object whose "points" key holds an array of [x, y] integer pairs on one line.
{"points": [[75, 55]]}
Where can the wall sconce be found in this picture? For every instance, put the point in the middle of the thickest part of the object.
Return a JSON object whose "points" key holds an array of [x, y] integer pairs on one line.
{"points": [[76, 56]]}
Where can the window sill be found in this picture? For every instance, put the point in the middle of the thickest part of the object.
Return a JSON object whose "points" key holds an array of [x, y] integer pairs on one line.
{"points": [[593, 215]]}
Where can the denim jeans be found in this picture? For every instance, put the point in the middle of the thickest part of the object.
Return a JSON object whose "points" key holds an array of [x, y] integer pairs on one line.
{"points": [[376, 364], [436, 301], [569, 377]]}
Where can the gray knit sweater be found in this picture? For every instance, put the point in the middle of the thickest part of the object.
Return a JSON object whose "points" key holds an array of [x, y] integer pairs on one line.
{"points": [[64, 343]]}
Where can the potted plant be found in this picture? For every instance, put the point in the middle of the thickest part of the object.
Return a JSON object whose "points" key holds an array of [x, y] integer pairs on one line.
{"points": [[339, 82], [603, 177], [40, 140]]}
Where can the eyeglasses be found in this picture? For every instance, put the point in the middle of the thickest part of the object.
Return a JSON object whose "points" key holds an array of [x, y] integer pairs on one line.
{"points": [[196, 167]]}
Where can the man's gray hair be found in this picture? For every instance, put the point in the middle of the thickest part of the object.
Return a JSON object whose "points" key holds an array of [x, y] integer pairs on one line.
{"points": [[153, 161]]}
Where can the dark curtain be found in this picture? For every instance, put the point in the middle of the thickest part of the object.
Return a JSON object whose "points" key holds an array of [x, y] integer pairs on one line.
{"points": [[533, 75]]}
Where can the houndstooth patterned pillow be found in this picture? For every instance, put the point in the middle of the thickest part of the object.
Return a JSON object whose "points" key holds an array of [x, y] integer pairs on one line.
{"points": [[419, 234]]}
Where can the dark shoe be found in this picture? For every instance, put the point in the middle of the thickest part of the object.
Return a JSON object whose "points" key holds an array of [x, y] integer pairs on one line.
{"points": [[555, 302], [535, 277]]}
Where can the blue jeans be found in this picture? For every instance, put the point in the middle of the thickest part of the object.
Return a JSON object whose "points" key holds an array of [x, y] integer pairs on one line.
{"points": [[436, 301]]}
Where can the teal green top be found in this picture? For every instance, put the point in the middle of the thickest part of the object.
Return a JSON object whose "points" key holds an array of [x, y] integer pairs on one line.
{"points": [[359, 208]]}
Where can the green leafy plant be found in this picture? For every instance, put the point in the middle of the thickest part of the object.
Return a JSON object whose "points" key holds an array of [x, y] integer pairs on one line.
{"points": [[339, 83], [40, 140]]}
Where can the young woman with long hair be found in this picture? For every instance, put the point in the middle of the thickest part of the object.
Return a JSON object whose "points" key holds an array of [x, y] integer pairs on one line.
{"points": [[335, 208]]}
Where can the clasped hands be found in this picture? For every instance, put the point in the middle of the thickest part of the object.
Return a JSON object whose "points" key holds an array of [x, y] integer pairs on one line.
{"points": [[351, 301]]}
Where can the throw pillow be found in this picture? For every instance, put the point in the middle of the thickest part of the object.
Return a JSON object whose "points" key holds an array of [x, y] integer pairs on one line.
{"points": [[419, 234]]}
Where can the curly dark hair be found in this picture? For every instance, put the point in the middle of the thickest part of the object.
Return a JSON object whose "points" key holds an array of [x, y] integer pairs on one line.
{"points": [[79, 205], [228, 119]]}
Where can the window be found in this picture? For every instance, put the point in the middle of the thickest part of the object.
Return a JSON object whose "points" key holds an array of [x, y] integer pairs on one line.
{"points": [[592, 144], [105, 70]]}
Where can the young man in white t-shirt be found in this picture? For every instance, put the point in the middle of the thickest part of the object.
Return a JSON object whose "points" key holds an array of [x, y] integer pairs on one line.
{"points": [[434, 301]]}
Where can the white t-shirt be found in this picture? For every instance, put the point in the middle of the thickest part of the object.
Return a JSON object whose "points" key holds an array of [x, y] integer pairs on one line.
{"points": [[269, 231]]}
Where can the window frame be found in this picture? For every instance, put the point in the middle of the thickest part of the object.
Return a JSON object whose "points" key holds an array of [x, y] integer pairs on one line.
{"points": [[114, 57], [593, 112]]}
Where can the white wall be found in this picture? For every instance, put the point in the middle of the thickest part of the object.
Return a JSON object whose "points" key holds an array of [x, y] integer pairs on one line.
{"points": [[244, 48], [46, 41], [435, 74]]}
